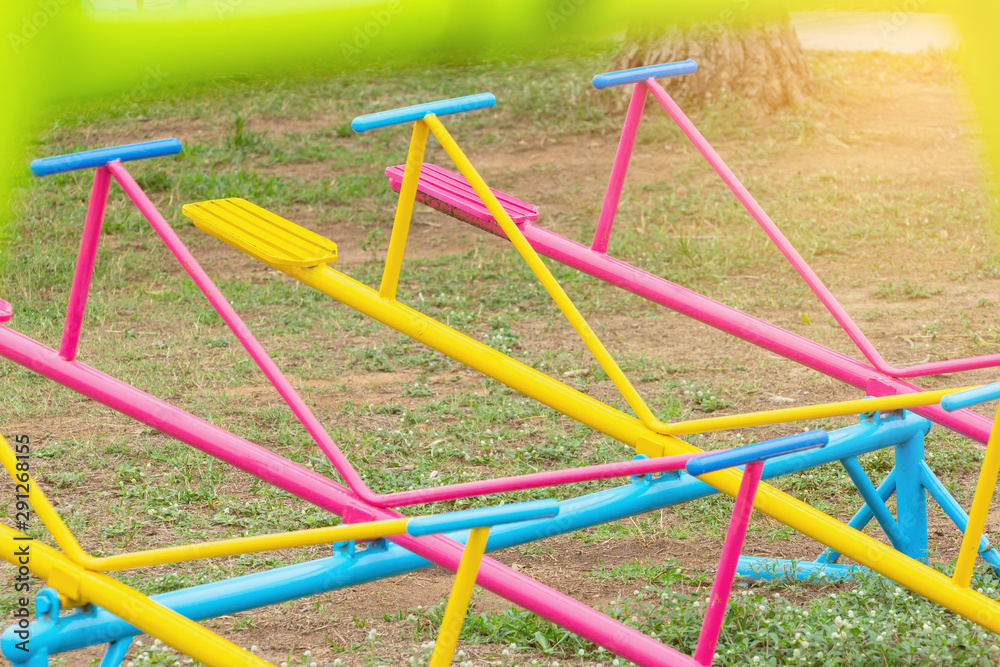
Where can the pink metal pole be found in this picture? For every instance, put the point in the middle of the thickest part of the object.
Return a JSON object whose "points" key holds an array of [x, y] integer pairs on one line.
{"points": [[754, 330], [799, 264], [85, 264], [316, 430], [731, 549], [327, 494], [619, 168]]}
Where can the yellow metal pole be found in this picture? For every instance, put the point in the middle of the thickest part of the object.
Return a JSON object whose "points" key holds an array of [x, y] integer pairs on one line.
{"points": [[241, 545], [404, 211], [614, 423], [980, 507], [458, 601], [820, 411], [76, 583], [543, 274]]}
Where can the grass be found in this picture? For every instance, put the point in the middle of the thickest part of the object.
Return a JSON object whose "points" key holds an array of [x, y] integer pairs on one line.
{"points": [[410, 417]]}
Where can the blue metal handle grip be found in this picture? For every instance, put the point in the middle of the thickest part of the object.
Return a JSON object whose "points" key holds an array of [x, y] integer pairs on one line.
{"points": [[101, 156], [480, 518], [637, 74], [760, 451], [963, 399], [416, 112]]}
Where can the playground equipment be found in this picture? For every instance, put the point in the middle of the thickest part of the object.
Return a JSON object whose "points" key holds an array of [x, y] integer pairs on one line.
{"points": [[306, 255], [453, 194]]}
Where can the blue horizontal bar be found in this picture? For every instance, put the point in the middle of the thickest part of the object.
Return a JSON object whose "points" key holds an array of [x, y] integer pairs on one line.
{"points": [[964, 399], [482, 517], [637, 74], [751, 567], [101, 156], [416, 112], [757, 452]]}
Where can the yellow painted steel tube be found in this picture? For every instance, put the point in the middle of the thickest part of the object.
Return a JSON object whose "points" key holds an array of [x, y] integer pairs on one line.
{"points": [[488, 361], [820, 411], [404, 211], [543, 274], [980, 507], [629, 430], [458, 601], [76, 583], [241, 545]]}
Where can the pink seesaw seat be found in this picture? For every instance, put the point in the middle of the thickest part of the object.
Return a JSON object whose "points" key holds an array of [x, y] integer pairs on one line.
{"points": [[452, 194], [6, 311]]}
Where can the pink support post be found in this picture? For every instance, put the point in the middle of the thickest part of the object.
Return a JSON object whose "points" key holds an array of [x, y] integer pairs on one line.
{"points": [[723, 584], [323, 492], [799, 264], [619, 168], [85, 264], [312, 424]]}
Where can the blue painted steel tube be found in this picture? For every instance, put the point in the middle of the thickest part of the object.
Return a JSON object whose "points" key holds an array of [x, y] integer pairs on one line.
{"points": [[417, 111], [759, 451], [875, 504], [80, 629], [482, 517], [970, 397], [773, 568], [863, 516], [637, 74], [101, 156], [911, 498]]}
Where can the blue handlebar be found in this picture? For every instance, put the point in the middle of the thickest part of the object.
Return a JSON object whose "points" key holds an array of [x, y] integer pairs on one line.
{"points": [[416, 112], [760, 451], [637, 74], [101, 156], [963, 399], [483, 517]]}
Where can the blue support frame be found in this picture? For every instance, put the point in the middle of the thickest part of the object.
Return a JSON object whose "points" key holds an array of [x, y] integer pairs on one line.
{"points": [[911, 480], [52, 633]]}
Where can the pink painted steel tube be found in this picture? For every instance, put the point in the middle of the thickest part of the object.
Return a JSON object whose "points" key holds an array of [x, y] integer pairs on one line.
{"points": [[85, 264], [238, 327], [327, 494], [723, 584], [799, 264], [619, 168], [316, 430], [730, 320]]}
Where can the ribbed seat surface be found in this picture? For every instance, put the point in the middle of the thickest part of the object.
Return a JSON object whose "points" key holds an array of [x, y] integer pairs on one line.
{"points": [[452, 193], [260, 233]]}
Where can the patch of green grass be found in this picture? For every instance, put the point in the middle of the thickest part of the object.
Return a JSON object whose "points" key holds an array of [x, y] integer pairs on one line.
{"points": [[898, 290]]}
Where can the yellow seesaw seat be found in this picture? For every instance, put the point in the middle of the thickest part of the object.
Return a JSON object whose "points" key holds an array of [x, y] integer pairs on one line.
{"points": [[261, 234]]}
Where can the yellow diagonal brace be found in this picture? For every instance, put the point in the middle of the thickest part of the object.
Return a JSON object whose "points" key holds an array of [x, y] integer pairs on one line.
{"points": [[980, 507], [241, 545], [154, 619]]}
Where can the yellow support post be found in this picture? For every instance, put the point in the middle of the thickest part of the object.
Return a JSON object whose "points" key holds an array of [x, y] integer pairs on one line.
{"points": [[458, 601], [76, 583], [241, 545], [980, 507], [543, 274], [404, 212]]}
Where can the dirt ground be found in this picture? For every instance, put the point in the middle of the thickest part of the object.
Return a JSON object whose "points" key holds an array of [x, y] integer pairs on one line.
{"points": [[920, 131]]}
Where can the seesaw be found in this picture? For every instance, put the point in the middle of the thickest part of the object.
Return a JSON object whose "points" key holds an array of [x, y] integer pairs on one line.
{"points": [[453, 194], [298, 252]]}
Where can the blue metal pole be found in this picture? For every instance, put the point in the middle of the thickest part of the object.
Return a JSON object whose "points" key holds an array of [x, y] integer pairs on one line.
{"points": [[875, 504], [644, 494], [863, 516], [911, 498]]}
